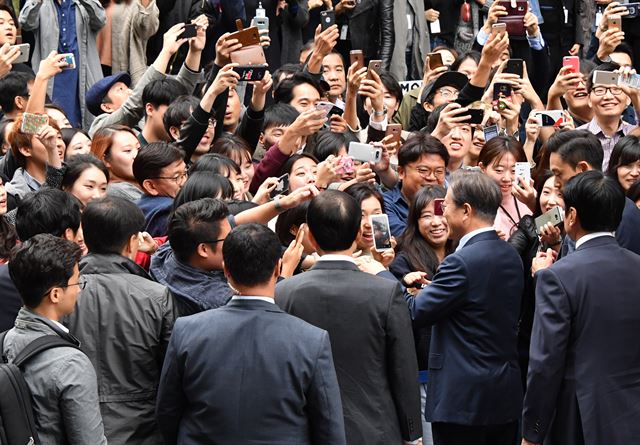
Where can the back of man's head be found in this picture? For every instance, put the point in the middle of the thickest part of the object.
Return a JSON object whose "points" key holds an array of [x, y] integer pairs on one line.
{"points": [[47, 210], [109, 223], [251, 253], [14, 84], [479, 191], [41, 263], [597, 199], [334, 220], [194, 223], [178, 112], [162, 92], [575, 146]]}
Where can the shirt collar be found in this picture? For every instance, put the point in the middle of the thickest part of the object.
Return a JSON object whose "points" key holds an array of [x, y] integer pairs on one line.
{"points": [[591, 236], [595, 128], [465, 239], [60, 325], [334, 257], [242, 297]]}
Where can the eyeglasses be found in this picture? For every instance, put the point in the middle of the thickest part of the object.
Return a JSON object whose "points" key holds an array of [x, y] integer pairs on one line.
{"points": [[601, 91], [426, 172], [212, 242], [81, 284], [177, 179], [447, 93]]}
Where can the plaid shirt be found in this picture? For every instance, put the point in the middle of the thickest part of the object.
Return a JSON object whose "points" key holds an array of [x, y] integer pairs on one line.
{"points": [[608, 142]]}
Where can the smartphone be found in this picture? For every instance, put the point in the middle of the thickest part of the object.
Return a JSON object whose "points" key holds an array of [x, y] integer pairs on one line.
{"points": [[501, 92], [281, 187], [250, 73], [262, 23], [190, 31], [435, 61], [24, 53], [498, 28], [438, 206], [327, 19], [514, 19], [374, 65], [396, 131], [345, 166], [515, 66], [573, 62], [249, 55], [605, 78], [70, 60], [365, 152], [477, 115], [325, 107], [381, 232], [490, 132], [614, 22], [245, 36], [554, 216], [33, 123], [633, 9], [550, 118], [523, 170], [356, 56]]}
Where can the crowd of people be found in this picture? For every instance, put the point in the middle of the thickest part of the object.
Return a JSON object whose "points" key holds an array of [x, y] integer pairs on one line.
{"points": [[419, 223]]}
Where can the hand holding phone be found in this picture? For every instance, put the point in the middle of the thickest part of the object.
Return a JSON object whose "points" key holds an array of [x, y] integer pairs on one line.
{"points": [[501, 93], [523, 170], [381, 232], [515, 66], [435, 61], [281, 187], [356, 56], [190, 31], [327, 19], [374, 65], [33, 123]]}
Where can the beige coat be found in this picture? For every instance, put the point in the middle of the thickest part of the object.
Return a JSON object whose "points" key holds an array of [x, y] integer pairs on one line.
{"points": [[131, 27]]}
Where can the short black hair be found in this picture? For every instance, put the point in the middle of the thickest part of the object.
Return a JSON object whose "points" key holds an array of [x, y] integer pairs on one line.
{"points": [[469, 55], [279, 115], [479, 191], [599, 201], [391, 84], [41, 263], [362, 191], [419, 144], [14, 84], [162, 92], [204, 184], [152, 158], [284, 92], [326, 143], [178, 112], [251, 253], [237, 206], [289, 218], [334, 220], [109, 223], [7, 7], [47, 210], [216, 163], [626, 49], [575, 146], [194, 223], [288, 70], [78, 164], [625, 152]]}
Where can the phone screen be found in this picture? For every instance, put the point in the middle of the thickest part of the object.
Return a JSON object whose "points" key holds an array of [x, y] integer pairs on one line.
{"points": [[281, 187], [190, 30], [381, 232], [438, 206]]}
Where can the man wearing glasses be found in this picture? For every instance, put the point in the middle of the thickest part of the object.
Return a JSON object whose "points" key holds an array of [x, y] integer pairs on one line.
{"points": [[421, 162], [608, 102]]}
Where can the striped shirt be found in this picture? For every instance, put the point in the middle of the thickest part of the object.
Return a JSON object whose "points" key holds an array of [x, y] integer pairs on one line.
{"points": [[608, 142]]}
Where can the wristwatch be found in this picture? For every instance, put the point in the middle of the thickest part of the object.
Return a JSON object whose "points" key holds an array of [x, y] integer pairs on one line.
{"points": [[380, 113]]}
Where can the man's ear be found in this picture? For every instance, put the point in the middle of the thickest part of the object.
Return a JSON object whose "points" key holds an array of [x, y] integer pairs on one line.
{"points": [[583, 166], [19, 103], [69, 234], [150, 187], [25, 151], [174, 132], [427, 106], [148, 109], [203, 251], [107, 107], [261, 138], [312, 240], [278, 270], [401, 172], [482, 167]]}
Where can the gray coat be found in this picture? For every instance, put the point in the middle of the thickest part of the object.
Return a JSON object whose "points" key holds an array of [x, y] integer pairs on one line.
{"points": [[41, 17], [124, 321], [62, 382], [421, 43]]}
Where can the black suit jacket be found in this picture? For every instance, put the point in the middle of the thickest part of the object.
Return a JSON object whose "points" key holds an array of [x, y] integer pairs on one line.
{"points": [[585, 355], [10, 301], [373, 349], [248, 373], [474, 303]]}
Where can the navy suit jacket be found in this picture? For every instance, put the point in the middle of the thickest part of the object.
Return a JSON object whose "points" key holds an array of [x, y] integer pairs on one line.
{"points": [[585, 355], [474, 304], [248, 373]]}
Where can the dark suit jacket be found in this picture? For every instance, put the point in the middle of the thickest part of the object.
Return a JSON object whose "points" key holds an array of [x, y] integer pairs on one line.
{"points": [[10, 301], [248, 373], [474, 303], [368, 322], [585, 352]]}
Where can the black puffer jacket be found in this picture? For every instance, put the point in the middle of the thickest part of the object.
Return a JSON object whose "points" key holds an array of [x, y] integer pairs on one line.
{"points": [[123, 321]]}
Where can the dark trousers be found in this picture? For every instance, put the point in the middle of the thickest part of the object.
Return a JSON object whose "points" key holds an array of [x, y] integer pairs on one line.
{"points": [[453, 434]]}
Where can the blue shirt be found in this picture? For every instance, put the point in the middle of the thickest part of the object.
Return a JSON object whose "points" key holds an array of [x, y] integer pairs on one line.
{"points": [[397, 209], [65, 84]]}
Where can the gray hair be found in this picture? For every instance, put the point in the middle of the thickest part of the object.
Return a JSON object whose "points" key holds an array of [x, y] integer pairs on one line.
{"points": [[478, 190]]}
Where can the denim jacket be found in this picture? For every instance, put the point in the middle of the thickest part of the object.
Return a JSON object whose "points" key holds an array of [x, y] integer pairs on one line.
{"points": [[62, 382]]}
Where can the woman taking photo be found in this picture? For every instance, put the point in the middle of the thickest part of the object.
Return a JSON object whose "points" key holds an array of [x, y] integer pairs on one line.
{"points": [[498, 159]]}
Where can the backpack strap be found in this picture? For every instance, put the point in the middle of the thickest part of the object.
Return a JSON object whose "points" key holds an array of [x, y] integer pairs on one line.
{"points": [[2, 356], [39, 345]]}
